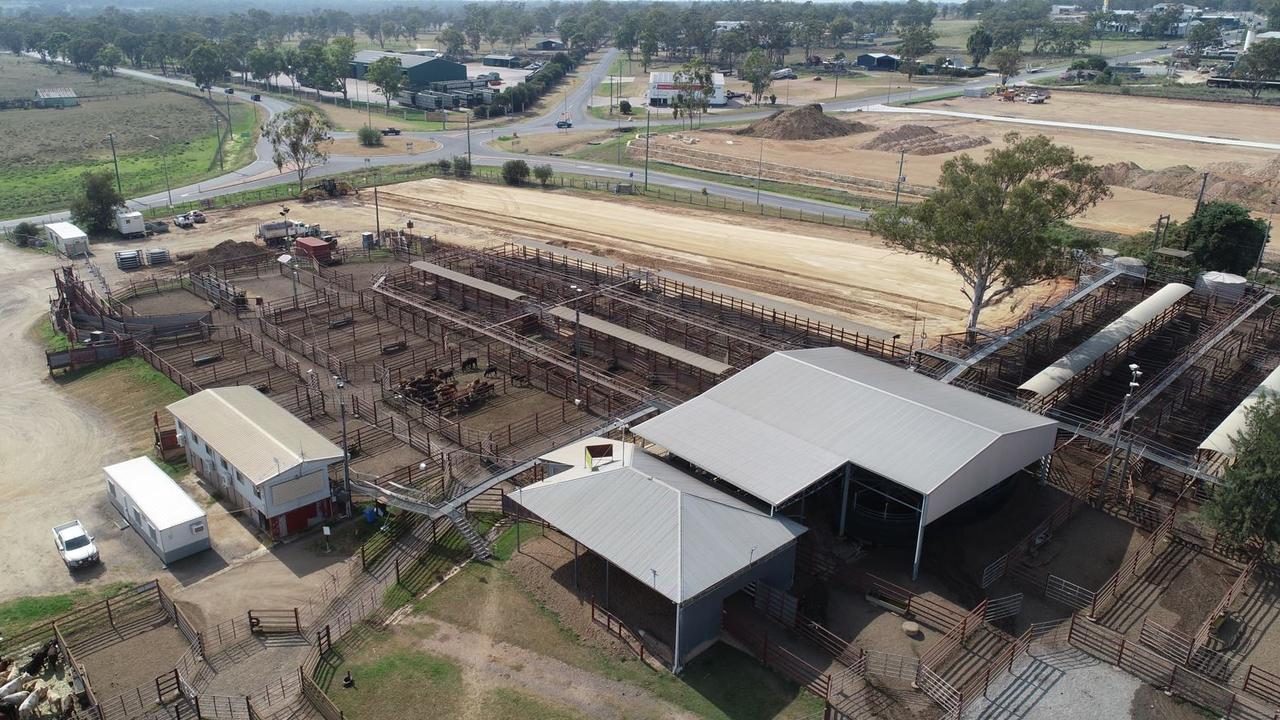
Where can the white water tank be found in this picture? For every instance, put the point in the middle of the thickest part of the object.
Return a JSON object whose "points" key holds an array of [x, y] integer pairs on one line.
{"points": [[1130, 266], [1221, 285], [1249, 37]]}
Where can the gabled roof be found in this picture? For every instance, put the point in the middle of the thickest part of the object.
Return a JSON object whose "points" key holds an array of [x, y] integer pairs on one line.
{"points": [[792, 418], [407, 60], [257, 436], [54, 93], [661, 526]]}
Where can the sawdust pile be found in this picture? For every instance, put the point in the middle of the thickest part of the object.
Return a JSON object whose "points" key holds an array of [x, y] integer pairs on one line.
{"points": [[922, 140], [1253, 185], [807, 122], [224, 251]]}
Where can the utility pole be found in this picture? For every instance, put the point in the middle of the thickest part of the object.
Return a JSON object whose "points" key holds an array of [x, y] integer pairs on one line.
{"points": [[1136, 373], [1204, 181], [217, 134], [648, 119], [759, 171], [577, 350], [902, 160], [468, 138], [164, 155], [111, 138], [346, 456]]}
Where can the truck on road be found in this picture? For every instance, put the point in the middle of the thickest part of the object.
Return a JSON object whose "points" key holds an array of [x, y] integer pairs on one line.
{"points": [[75, 545]]}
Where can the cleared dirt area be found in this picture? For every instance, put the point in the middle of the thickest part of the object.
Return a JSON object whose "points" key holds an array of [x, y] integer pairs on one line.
{"points": [[551, 143], [853, 274], [391, 145]]}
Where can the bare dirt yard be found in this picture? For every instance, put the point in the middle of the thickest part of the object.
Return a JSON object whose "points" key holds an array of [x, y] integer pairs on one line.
{"points": [[391, 145], [842, 270]]}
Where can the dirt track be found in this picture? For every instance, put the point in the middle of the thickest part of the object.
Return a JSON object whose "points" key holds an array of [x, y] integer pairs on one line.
{"points": [[843, 270]]}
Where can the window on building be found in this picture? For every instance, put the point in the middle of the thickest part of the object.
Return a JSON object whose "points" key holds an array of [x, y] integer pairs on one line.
{"points": [[151, 531], [224, 462], [197, 528], [257, 490], [111, 488]]}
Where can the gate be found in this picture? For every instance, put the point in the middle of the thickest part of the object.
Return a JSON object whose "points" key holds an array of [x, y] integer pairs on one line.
{"points": [[776, 604], [275, 622], [995, 570], [1068, 593], [1005, 607], [168, 684]]}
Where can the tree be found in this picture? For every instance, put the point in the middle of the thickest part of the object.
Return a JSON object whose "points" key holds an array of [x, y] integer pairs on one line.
{"points": [[756, 70], [543, 173], [93, 209], [917, 41], [461, 166], [979, 44], [1006, 61], [992, 222], [624, 107], [386, 75], [515, 172], [1224, 236], [453, 41], [264, 63], [1245, 507], [1259, 66], [297, 138], [206, 64], [338, 54], [26, 233], [1203, 34], [368, 136], [839, 28]]}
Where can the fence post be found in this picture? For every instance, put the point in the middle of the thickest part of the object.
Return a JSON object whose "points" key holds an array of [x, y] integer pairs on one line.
{"points": [[297, 621], [397, 569]]}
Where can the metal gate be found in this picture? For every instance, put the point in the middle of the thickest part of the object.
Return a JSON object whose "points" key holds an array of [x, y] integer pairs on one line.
{"points": [[275, 622], [1068, 593], [995, 570], [776, 604], [1005, 607]]}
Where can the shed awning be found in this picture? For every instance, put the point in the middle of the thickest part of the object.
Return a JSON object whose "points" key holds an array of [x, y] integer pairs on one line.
{"points": [[638, 339], [784, 423], [661, 526], [454, 276], [1223, 438]]}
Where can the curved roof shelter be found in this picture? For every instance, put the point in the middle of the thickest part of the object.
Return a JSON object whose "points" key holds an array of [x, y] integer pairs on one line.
{"points": [[1222, 439], [1107, 339]]}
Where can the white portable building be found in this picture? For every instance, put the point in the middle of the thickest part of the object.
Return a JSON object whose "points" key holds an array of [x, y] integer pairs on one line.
{"points": [[130, 223], [164, 516], [67, 239]]}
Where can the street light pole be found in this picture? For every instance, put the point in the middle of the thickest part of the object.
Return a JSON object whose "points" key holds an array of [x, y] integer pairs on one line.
{"points": [[648, 121], [468, 138], [164, 155], [759, 171], [1136, 373], [902, 159], [111, 138], [377, 210], [577, 350]]}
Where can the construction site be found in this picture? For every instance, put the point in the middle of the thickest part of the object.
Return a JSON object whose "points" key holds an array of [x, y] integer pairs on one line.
{"points": [[476, 389]]}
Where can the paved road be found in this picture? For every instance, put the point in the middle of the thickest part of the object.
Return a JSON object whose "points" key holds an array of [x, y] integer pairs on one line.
{"points": [[262, 172]]}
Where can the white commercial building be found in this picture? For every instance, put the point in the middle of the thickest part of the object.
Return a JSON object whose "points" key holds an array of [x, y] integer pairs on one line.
{"points": [[163, 515], [664, 87], [67, 239], [259, 456]]}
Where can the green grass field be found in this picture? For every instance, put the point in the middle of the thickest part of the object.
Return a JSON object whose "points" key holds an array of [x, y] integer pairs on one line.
{"points": [[47, 150], [22, 613]]}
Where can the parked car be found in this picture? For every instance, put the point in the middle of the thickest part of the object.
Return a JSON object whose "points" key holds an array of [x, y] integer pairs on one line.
{"points": [[564, 124], [255, 97], [75, 545], [390, 131], [184, 222], [230, 91], [197, 216]]}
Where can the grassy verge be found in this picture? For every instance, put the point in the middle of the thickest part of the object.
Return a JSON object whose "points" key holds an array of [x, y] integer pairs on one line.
{"points": [[448, 551], [1168, 91], [22, 613], [930, 98], [50, 337], [133, 373]]}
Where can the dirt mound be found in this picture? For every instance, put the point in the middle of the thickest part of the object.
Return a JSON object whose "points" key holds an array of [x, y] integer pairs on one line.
{"points": [[922, 140], [224, 251], [1255, 186], [803, 123]]}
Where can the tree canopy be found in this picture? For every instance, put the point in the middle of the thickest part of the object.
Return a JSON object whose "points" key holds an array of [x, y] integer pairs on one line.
{"points": [[1224, 236], [993, 221], [386, 75], [1245, 506], [297, 138], [93, 208]]}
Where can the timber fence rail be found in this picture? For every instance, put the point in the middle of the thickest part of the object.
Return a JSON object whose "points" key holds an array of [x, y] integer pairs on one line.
{"points": [[777, 657], [1137, 564], [632, 640], [188, 385]]}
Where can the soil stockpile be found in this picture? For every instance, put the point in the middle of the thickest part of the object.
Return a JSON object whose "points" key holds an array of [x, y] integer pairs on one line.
{"points": [[224, 251], [807, 122], [922, 140], [1255, 186]]}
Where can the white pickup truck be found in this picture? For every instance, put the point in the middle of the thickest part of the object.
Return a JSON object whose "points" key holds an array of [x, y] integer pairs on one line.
{"points": [[75, 544]]}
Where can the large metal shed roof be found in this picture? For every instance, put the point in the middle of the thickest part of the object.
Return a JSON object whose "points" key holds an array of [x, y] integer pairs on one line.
{"points": [[789, 420], [661, 526], [638, 339], [1223, 438], [1088, 352], [260, 438], [485, 286]]}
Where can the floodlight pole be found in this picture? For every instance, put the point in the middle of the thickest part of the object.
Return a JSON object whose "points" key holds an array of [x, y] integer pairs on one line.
{"points": [[902, 160], [346, 456], [469, 139], [164, 156], [577, 349], [111, 138], [648, 121], [1115, 443]]}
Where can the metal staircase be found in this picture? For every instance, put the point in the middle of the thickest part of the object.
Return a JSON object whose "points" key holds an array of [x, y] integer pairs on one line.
{"points": [[479, 547]]}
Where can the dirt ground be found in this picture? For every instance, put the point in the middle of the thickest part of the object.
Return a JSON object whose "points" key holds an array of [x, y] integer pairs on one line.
{"points": [[1126, 212], [391, 145], [134, 661], [856, 276]]}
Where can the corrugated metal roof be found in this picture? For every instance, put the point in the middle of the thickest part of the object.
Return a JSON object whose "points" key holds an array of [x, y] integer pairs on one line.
{"points": [[65, 230], [688, 357], [782, 424], [1222, 439], [257, 436], [1088, 352], [780, 305], [465, 279], [55, 93], [368, 57], [154, 493], [661, 526]]}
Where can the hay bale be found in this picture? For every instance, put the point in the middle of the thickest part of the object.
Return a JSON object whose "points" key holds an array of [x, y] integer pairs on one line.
{"points": [[807, 122]]}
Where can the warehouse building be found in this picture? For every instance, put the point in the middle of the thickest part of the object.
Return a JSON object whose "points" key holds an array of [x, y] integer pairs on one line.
{"points": [[259, 457], [418, 70], [506, 61], [162, 514], [676, 536], [56, 98], [664, 87], [879, 61], [895, 449], [548, 45]]}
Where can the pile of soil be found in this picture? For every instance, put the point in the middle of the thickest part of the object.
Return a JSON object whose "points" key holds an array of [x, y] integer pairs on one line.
{"points": [[922, 140], [224, 251], [1255, 186], [807, 122]]}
